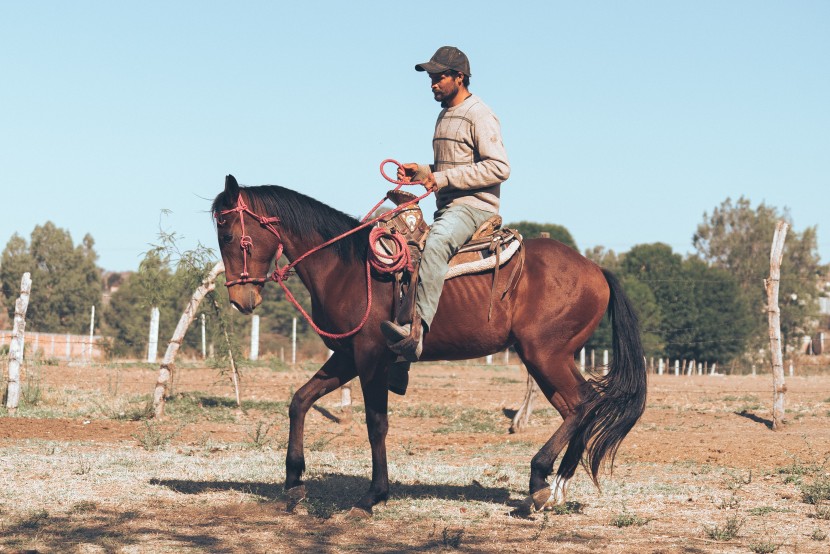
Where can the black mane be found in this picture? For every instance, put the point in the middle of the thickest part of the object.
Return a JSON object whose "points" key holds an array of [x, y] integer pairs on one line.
{"points": [[300, 215]]}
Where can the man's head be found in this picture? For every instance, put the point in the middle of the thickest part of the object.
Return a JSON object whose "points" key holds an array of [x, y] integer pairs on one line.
{"points": [[449, 71]]}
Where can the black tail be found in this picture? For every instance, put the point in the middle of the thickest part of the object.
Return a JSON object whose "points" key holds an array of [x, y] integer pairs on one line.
{"points": [[613, 403]]}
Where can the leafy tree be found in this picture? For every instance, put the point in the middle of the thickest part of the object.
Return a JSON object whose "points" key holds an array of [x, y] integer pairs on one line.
{"points": [[604, 258], [649, 314], [531, 230], [167, 285], [66, 281], [704, 314], [737, 238]]}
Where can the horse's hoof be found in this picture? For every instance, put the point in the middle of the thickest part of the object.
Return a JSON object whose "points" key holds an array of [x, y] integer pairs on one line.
{"points": [[358, 513], [294, 496], [540, 498]]}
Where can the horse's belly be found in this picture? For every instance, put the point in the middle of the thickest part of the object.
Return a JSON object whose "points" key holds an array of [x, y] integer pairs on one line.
{"points": [[461, 329]]}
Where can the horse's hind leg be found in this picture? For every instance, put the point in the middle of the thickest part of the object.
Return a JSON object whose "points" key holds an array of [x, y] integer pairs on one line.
{"points": [[559, 381], [338, 370]]}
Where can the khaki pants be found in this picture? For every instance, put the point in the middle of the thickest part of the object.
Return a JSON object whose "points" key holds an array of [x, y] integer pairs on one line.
{"points": [[452, 227]]}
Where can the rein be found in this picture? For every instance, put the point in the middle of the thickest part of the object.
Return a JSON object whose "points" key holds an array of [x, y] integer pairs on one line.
{"points": [[387, 263]]}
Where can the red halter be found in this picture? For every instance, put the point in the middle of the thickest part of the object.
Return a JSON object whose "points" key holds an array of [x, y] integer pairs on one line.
{"points": [[280, 274], [245, 242]]}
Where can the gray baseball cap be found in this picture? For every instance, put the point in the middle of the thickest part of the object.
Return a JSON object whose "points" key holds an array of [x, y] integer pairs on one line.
{"points": [[446, 57]]}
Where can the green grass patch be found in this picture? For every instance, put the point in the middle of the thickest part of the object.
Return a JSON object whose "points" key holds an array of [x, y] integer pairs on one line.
{"points": [[152, 437], [474, 420], [817, 492], [628, 519]]}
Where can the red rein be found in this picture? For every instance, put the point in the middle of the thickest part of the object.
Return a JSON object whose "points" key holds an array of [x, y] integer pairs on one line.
{"points": [[380, 261]]}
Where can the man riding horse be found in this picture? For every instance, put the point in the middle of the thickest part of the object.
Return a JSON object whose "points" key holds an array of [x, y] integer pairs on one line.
{"points": [[470, 166]]}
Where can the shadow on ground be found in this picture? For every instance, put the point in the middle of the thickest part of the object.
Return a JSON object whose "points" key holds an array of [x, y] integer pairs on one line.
{"points": [[342, 491], [243, 526], [755, 418]]}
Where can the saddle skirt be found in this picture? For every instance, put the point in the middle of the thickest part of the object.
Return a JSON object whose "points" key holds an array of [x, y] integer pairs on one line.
{"points": [[489, 247]]}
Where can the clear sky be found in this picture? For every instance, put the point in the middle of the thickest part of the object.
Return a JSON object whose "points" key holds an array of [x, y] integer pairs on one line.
{"points": [[623, 121]]}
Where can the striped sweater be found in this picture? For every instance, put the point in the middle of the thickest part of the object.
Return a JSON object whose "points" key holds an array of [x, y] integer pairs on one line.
{"points": [[470, 160]]}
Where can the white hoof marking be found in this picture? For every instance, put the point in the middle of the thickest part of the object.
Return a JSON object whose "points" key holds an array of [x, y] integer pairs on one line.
{"points": [[558, 490]]}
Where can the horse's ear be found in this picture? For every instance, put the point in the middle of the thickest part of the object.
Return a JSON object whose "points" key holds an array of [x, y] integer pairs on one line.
{"points": [[231, 188]]}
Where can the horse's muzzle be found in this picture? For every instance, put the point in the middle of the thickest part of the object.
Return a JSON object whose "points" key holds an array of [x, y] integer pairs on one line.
{"points": [[245, 298]]}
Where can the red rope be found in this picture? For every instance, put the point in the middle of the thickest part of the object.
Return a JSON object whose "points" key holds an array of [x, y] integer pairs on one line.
{"points": [[384, 262], [280, 274]]}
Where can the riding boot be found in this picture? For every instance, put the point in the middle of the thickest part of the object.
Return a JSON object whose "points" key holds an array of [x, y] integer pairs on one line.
{"points": [[405, 340]]}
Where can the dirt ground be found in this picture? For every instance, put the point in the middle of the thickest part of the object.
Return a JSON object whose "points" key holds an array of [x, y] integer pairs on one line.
{"points": [[701, 472]]}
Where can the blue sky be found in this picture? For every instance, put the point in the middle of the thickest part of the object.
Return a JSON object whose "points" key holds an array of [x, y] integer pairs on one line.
{"points": [[624, 121]]}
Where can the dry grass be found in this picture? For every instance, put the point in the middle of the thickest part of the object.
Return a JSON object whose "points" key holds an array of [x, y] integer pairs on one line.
{"points": [[209, 478]]}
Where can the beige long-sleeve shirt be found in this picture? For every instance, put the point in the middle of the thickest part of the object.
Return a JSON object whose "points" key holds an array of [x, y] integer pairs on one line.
{"points": [[470, 159]]}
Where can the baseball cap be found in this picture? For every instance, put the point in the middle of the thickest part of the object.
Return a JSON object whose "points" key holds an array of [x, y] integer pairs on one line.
{"points": [[446, 57]]}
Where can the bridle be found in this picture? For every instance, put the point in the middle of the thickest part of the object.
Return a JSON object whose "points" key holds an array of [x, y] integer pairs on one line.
{"points": [[246, 242], [280, 274]]}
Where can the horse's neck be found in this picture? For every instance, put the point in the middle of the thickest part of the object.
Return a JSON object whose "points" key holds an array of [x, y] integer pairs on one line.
{"points": [[321, 269]]}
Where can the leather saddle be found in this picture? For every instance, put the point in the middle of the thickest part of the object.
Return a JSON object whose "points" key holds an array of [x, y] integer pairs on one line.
{"points": [[490, 247]]}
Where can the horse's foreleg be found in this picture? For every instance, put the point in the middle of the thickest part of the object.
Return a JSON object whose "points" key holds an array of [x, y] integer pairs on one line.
{"points": [[375, 397], [338, 370]]}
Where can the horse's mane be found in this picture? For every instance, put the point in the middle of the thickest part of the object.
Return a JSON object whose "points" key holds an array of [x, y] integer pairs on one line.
{"points": [[301, 215]]}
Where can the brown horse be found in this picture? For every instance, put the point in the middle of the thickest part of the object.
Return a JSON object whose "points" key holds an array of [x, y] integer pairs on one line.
{"points": [[558, 301]]}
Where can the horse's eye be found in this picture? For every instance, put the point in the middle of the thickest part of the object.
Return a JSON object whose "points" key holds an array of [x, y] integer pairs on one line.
{"points": [[227, 239]]}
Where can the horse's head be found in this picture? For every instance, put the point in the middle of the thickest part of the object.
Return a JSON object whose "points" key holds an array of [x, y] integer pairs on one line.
{"points": [[246, 245]]}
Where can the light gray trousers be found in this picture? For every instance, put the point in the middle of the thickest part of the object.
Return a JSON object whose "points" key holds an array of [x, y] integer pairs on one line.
{"points": [[451, 228]]}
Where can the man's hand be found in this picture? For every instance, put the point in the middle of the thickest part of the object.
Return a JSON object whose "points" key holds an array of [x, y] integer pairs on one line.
{"points": [[407, 172], [429, 182]]}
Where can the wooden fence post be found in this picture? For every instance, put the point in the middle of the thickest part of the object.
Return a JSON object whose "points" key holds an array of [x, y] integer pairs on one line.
{"points": [[779, 388], [153, 340], [522, 417], [17, 343], [253, 355], [166, 366]]}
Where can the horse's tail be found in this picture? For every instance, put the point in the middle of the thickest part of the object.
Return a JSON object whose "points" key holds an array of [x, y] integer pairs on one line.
{"points": [[612, 404]]}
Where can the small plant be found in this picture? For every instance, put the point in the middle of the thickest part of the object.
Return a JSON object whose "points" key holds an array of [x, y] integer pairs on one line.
{"points": [[818, 534], [764, 510], [541, 529], [567, 508], [321, 507], [764, 547], [736, 481], [816, 492], [82, 507], [31, 391], [34, 519], [82, 466], [730, 503], [821, 511], [153, 438], [258, 435], [452, 537], [726, 532], [627, 519]]}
